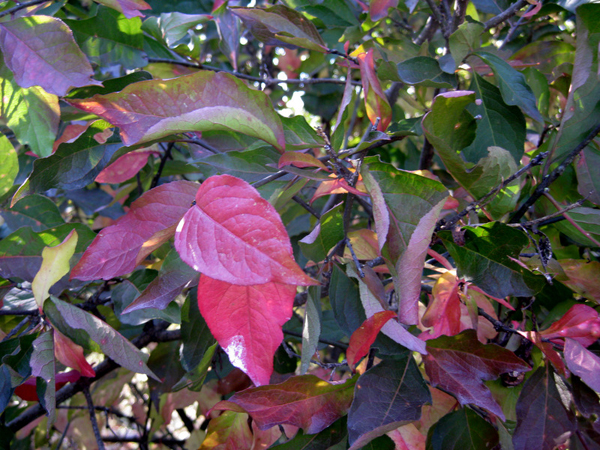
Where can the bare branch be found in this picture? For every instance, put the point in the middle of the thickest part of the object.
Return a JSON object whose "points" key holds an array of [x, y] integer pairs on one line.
{"points": [[92, 411], [505, 15]]}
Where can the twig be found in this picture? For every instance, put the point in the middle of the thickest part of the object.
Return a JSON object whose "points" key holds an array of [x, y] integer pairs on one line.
{"points": [[355, 259], [426, 156], [139, 439], [91, 409], [428, 31], [551, 177], [571, 221], [531, 223], [163, 160], [447, 224], [505, 15], [269, 178], [16, 329], [19, 312], [203, 144], [293, 354], [62, 436], [306, 206], [14, 9], [321, 340]]}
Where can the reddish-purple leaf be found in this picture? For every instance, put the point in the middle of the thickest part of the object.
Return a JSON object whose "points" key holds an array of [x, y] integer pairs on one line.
{"points": [[581, 323], [41, 51], [247, 321], [583, 363], [229, 431], [202, 101], [129, 8], [378, 9], [174, 277], [375, 100], [543, 423], [27, 391], [151, 221], [304, 401], [458, 364], [232, 234], [365, 335], [125, 167]]}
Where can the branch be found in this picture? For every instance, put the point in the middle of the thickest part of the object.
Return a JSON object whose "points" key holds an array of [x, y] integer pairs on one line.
{"points": [[505, 15], [14, 9], [321, 340], [19, 312], [91, 409], [163, 160], [550, 178]]}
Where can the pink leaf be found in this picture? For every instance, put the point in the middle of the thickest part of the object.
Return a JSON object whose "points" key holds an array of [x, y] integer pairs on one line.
{"points": [[304, 401], [71, 354], [125, 167], [375, 100], [583, 363], [581, 323], [247, 321], [378, 9], [129, 8], [234, 235], [41, 51], [202, 101], [443, 312], [70, 134], [338, 186], [362, 339], [151, 221]]}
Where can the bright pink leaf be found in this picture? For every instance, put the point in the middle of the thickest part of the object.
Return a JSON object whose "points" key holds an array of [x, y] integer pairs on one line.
{"points": [[581, 323], [443, 312], [375, 100], [460, 363], [232, 234], [151, 221], [125, 167], [41, 51], [583, 363], [202, 101], [247, 321], [304, 401], [71, 354], [364, 336], [299, 159], [129, 8], [378, 9]]}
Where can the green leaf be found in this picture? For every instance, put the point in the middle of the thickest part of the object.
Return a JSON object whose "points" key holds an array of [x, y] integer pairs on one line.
{"points": [[196, 338], [425, 71], [166, 367], [588, 220], [500, 125], [465, 40], [513, 85], [112, 85], [250, 165], [485, 261], [588, 175], [110, 37], [43, 366], [581, 112], [333, 13], [171, 27], [462, 430], [214, 101], [328, 232], [311, 330], [194, 379], [324, 440], [32, 114], [16, 355], [35, 211], [126, 293], [9, 165], [280, 25], [299, 135], [386, 396], [345, 301], [112, 343]]}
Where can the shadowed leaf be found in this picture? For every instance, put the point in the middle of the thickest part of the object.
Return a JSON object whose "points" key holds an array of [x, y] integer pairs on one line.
{"points": [[583, 363], [43, 366], [462, 430]]}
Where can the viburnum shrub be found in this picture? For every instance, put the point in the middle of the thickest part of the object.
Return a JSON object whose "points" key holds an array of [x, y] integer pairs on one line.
{"points": [[300, 224]]}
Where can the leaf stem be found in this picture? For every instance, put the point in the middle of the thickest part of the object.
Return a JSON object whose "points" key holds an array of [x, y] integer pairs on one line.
{"points": [[14, 9]]}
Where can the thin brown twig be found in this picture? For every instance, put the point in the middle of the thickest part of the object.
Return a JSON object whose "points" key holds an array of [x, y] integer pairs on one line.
{"points": [[505, 15], [92, 411]]}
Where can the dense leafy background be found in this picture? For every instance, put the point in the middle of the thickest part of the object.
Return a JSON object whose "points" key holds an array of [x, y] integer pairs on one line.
{"points": [[316, 224]]}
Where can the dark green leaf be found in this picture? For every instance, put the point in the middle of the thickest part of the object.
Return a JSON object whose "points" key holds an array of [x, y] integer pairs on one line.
{"points": [[35, 211], [462, 430], [424, 71], [330, 230], [465, 39], [126, 293], [196, 338]]}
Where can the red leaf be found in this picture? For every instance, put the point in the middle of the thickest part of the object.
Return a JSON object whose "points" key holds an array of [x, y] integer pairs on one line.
{"points": [[202, 101], [365, 335], [247, 321], [234, 235], [581, 323], [71, 354], [443, 312], [151, 221], [338, 186], [129, 8], [27, 391], [299, 159], [41, 51], [375, 100], [458, 364], [304, 401], [378, 9], [125, 167], [583, 363]]}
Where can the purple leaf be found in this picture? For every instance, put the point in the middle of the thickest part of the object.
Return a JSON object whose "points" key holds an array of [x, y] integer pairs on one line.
{"points": [[43, 366], [583, 363], [151, 221], [129, 8], [41, 51]]}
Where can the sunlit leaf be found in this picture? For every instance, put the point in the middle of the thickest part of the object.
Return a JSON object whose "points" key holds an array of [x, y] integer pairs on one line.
{"points": [[151, 220], [201, 101], [328, 232], [227, 432], [9, 165], [580, 322], [464, 40], [233, 235], [583, 363], [378, 9], [125, 167], [362, 339], [299, 159], [443, 310], [375, 100], [129, 8], [582, 277], [303, 401], [55, 265], [40, 51]]}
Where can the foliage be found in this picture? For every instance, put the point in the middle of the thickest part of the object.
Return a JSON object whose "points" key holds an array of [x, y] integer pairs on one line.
{"points": [[299, 224]]}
